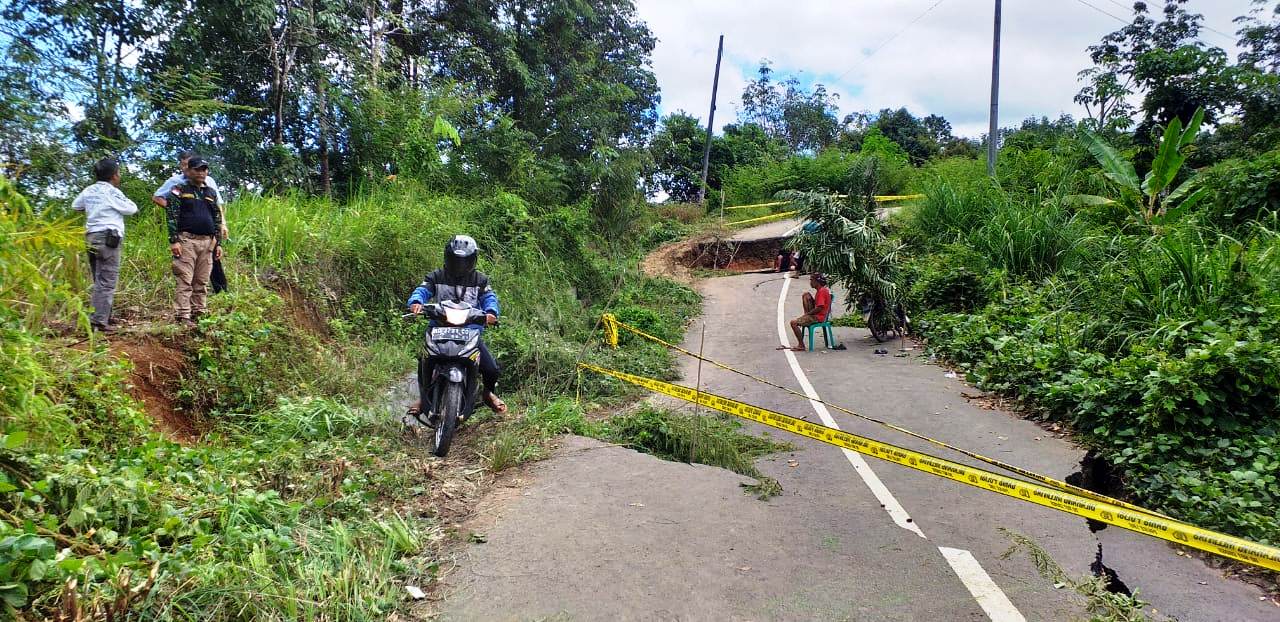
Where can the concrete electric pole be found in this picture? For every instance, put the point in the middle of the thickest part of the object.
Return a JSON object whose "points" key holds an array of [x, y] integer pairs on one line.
{"points": [[711, 119], [993, 130]]}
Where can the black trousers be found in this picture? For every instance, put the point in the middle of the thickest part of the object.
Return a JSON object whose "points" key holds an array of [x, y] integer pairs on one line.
{"points": [[489, 370], [218, 278]]}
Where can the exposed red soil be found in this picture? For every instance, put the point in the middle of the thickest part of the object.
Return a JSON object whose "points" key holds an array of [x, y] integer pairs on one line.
{"points": [[305, 314], [157, 367]]}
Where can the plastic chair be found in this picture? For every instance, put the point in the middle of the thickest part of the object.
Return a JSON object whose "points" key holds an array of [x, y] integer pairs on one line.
{"points": [[828, 337]]}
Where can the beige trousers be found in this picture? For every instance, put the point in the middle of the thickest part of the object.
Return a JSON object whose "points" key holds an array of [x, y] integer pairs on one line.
{"points": [[192, 270]]}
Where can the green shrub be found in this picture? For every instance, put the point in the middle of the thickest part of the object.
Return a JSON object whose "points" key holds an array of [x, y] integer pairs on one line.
{"points": [[1168, 412], [955, 279], [1244, 190], [244, 356], [829, 171]]}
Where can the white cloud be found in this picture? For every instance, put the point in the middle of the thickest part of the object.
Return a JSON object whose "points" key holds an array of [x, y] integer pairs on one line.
{"points": [[941, 64]]}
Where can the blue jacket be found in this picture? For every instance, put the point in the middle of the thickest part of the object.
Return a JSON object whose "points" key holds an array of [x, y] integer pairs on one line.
{"points": [[473, 289]]}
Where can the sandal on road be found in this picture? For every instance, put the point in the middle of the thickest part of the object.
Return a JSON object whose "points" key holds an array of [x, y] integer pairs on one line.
{"points": [[495, 403]]}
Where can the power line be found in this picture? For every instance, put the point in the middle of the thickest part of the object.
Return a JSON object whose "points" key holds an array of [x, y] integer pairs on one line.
{"points": [[889, 40], [1130, 8], [1111, 15]]}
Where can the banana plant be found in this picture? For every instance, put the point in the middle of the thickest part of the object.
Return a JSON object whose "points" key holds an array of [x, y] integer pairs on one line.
{"points": [[1151, 200]]}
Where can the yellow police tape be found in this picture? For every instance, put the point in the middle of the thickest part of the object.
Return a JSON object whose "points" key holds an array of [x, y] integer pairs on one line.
{"points": [[612, 325], [1147, 523], [880, 198], [778, 216], [770, 204]]}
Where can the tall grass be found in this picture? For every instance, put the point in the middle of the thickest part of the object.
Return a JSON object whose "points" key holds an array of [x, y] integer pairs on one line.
{"points": [[1031, 240], [951, 209]]}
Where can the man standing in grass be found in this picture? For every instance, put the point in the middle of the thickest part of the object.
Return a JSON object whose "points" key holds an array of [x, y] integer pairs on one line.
{"points": [[217, 278], [104, 207], [191, 209]]}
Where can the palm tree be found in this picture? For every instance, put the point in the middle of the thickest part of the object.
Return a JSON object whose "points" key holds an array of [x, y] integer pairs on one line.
{"points": [[849, 243]]}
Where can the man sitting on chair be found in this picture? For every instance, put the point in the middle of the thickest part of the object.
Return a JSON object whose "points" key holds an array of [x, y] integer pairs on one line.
{"points": [[817, 308]]}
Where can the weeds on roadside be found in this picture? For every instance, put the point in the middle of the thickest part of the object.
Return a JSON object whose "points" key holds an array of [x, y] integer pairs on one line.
{"points": [[712, 439], [1101, 604]]}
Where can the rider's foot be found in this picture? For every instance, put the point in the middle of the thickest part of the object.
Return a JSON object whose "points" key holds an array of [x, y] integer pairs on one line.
{"points": [[495, 403]]}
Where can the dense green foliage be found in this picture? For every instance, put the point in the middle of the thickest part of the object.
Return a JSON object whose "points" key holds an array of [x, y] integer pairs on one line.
{"points": [[328, 96], [298, 502], [1161, 348]]}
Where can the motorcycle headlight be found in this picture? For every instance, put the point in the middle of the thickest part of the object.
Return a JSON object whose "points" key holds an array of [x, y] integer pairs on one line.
{"points": [[455, 317]]}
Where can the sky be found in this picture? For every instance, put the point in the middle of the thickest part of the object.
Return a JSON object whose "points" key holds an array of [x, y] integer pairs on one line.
{"points": [[874, 56]]}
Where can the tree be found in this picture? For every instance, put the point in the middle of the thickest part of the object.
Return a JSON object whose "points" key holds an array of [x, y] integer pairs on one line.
{"points": [[1258, 79], [938, 128], [1259, 39], [33, 145], [576, 74], [1165, 63], [87, 48], [915, 137], [802, 119], [677, 156], [1105, 93]]}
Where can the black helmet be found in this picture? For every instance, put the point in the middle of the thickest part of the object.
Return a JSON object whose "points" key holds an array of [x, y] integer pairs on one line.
{"points": [[460, 256]]}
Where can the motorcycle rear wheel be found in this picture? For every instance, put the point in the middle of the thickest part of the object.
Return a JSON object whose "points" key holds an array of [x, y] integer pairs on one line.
{"points": [[880, 324], [450, 407]]}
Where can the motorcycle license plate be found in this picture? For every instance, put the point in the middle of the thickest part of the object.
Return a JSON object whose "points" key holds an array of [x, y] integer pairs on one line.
{"points": [[450, 333]]}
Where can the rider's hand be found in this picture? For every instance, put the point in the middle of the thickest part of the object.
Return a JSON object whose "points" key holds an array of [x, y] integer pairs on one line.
{"points": [[415, 308], [175, 249], [217, 252], [490, 319]]}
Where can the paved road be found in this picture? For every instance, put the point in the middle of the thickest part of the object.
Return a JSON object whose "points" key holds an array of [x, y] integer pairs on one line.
{"points": [[776, 229], [604, 533]]}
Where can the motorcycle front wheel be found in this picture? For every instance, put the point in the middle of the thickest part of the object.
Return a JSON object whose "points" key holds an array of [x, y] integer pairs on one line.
{"points": [[450, 407]]}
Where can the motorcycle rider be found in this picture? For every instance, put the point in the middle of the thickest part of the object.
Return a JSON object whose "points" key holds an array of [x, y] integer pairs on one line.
{"points": [[459, 281]]}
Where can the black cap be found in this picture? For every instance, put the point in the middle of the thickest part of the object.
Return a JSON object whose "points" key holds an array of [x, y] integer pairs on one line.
{"points": [[197, 163]]}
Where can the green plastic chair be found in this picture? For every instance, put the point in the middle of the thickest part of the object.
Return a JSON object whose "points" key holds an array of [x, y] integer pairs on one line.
{"points": [[828, 337]]}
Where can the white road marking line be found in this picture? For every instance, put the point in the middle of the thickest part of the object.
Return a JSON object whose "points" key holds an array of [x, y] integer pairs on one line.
{"points": [[886, 498], [989, 595]]}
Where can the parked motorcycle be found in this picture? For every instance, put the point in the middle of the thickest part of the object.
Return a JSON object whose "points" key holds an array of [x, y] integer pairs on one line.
{"points": [[448, 369], [881, 320]]}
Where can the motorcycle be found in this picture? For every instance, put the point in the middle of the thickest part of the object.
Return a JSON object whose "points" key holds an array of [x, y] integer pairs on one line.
{"points": [[881, 321], [448, 369]]}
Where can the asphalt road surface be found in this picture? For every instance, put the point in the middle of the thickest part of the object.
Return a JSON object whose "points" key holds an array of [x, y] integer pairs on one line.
{"points": [[604, 533]]}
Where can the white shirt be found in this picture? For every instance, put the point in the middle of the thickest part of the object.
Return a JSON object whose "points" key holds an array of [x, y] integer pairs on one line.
{"points": [[178, 178], [104, 207]]}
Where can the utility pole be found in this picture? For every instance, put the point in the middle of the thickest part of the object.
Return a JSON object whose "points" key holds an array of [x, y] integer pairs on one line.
{"points": [[711, 119], [992, 132]]}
